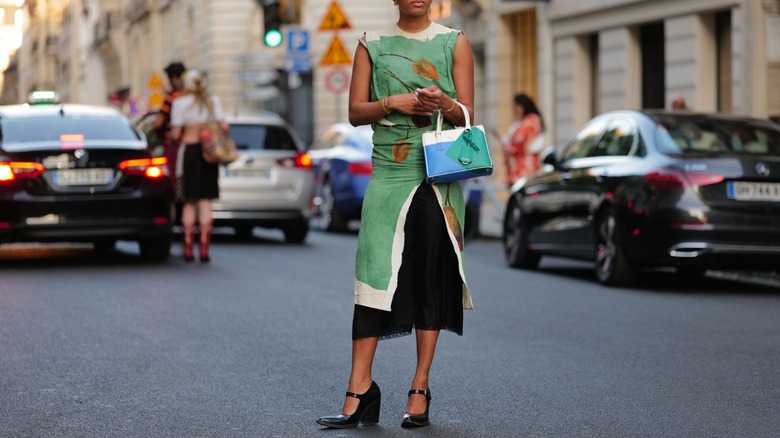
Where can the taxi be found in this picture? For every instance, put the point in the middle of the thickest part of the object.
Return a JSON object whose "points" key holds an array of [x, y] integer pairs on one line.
{"points": [[81, 173]]}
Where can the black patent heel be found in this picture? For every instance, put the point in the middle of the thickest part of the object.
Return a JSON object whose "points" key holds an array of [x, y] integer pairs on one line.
{"points": [[418, 420], [366, 413]]}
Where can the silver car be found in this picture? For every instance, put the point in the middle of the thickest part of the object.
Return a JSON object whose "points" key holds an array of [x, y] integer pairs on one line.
{"points": [[271, 184]]}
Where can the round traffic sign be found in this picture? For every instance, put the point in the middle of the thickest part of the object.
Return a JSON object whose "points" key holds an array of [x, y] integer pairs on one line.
{"points": [[337, 80]]}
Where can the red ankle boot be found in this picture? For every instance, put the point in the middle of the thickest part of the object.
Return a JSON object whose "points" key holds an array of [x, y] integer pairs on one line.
{"points": [[205, 241], [189, 238]]}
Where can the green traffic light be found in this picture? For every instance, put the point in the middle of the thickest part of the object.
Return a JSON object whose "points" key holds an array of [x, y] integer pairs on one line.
{"points": [[273, 38]]}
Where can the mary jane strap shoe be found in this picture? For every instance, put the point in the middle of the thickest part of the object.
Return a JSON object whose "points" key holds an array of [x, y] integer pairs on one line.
{"points": [[418, 420], [366, 413]]}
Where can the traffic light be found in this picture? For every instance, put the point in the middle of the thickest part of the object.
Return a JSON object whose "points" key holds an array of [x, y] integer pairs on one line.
{"points": [[272, 21]]}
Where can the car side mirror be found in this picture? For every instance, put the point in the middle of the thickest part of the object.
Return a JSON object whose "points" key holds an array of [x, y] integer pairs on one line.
{"points": [[548, 157]]}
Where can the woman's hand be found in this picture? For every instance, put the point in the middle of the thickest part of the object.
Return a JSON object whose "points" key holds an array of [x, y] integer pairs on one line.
{"points": [[431, 98], [409, 103]]}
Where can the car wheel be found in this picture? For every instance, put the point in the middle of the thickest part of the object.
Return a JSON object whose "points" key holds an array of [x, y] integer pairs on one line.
{"points": [[332, 219], [296, 233], [516, 251], [612, 268], [155, 250]]}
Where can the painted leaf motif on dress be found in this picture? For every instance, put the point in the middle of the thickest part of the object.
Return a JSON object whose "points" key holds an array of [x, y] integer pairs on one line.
{"points": [[451, 216], [421, 121], [426, 69], [401, 151], [452, 221]]}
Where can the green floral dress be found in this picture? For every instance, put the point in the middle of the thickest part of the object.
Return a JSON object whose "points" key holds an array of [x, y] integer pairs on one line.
{"points": [[403, 62]]}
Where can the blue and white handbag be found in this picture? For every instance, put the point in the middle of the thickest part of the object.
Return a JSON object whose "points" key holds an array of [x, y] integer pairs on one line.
{"points": [[456, 154]]}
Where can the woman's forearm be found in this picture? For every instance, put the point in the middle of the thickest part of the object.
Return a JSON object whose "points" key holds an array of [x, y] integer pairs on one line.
{"points": [[364, 113]]}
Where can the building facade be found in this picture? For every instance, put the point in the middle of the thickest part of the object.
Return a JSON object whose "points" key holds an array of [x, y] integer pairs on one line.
{"points": [[581, 58], [576, 58]]}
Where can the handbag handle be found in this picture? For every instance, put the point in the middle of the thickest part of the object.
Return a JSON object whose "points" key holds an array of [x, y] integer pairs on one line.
{"points": [[440, 119]]}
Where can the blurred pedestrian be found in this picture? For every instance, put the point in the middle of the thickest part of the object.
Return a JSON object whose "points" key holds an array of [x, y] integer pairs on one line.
{"points": [[524, 140], [409, 263], [678, 103], [162, 122], [198, 179]]}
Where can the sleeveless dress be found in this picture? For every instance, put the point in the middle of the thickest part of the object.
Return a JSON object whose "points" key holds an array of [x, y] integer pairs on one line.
{"points": [[409, 263]]}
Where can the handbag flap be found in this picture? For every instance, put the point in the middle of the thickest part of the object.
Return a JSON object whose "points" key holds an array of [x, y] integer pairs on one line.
{"points": [[470, 148]]}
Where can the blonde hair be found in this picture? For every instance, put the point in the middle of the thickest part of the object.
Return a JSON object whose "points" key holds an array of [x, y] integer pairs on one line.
{"points": [[194, 82]]}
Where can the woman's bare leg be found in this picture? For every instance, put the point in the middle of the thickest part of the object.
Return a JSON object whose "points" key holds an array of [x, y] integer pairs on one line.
{"points": [[363, 350], [188, 214], [426, 347], [205, 221], [188, 225]]}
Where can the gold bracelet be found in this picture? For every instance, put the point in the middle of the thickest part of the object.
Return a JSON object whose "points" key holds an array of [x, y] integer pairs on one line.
{"points": [[383, 103], [452, 107]]}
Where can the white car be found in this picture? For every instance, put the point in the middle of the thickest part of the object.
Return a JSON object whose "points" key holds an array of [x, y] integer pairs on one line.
{"points": [[271, 184]]}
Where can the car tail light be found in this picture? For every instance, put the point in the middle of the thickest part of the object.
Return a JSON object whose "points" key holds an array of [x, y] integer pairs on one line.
{"points": [[703, 179], [301, 161], [152, 168], [361, 168], [670, 179], [14, 170]]}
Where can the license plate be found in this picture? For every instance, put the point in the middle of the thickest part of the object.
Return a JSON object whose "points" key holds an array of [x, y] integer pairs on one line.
{"points": [[248, 173], [83, 177], [753, 191]]}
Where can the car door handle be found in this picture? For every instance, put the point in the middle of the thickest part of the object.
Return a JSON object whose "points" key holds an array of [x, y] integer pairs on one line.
{"points": [[565, 177]]}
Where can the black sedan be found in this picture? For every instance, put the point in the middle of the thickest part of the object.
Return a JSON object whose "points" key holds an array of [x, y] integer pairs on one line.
{"points": [[639, 189], [76, 173]]}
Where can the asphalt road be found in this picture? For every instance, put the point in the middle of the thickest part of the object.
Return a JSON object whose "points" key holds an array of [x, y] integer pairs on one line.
{"points": [[257, 344]]}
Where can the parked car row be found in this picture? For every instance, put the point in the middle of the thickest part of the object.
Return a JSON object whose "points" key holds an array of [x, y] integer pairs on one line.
{"points": [[631, 190], [641, 189]]}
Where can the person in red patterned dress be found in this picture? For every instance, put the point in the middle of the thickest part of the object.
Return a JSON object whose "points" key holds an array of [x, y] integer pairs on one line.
{"points": [[523, 140]]}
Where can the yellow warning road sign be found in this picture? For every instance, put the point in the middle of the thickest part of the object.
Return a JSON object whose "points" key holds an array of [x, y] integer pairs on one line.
{"points": [[335, 19], [336, 54], [155, 81], [156, 100]]}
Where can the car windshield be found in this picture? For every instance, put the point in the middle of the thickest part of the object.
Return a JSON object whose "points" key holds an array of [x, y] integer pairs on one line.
{"points": [[689, 134], [255, 137], [56, 128]]}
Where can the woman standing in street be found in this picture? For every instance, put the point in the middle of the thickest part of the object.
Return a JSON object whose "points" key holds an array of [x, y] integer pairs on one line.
{"points": [[523, 140], [409, 263], [199, 184]]}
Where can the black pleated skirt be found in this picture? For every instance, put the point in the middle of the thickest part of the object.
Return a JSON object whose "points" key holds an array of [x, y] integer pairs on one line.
{"points": [[430, 289], [201, 179]]}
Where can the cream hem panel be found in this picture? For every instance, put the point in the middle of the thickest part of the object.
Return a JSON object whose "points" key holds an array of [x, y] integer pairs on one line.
{"points": [[385, 300], [367, 296]]}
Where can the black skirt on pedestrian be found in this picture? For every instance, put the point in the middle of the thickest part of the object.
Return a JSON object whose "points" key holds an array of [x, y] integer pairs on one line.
{"points": [[429, 295], [201, 179]]}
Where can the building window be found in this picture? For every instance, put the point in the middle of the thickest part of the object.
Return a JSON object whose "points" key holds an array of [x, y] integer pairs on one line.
{"points": [[724, 55], [652, 42], [524, 60], [594, 86]]}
